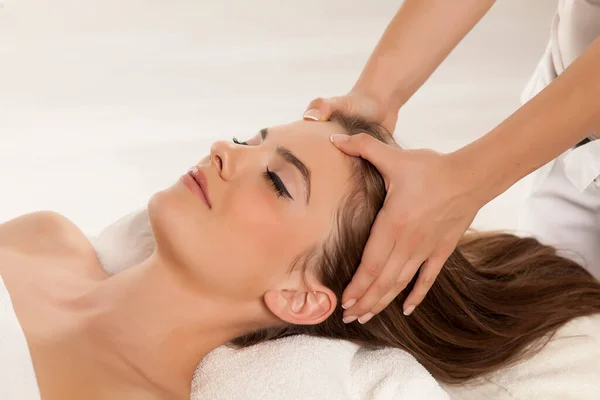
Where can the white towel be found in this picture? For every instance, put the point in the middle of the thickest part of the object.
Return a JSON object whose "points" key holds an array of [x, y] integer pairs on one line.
{"points": [[302, 367], [17, 376], [567, 368], [291, 368]]}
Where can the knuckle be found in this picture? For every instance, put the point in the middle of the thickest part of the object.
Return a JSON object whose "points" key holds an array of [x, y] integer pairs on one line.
{"points": [[321, 104], [398, 220], [372, 269], [361, 139], [397, 226], [400, 285], [446, 251], [419, 296], [417, 238], [383, 286], [318, 101], [314, 103], [427, 282]]}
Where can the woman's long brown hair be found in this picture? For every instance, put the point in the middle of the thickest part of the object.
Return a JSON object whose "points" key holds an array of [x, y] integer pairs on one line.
{"points": [[498, 299]]}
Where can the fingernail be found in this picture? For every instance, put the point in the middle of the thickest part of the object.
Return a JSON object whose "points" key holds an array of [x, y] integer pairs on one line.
{"points": [[350, 318], [312, 114], [349, 304], [365, 318], [409, 310], [339, 138]]}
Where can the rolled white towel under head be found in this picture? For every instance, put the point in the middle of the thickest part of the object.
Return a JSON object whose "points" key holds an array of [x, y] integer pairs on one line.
{"points": [[303, 367]]}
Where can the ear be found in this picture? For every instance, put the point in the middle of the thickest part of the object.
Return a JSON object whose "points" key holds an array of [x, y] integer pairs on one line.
{"points": [[301, 306]]}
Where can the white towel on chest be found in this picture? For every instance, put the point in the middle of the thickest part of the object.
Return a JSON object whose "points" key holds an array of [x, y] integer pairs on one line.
{"points": [[17, 376]]}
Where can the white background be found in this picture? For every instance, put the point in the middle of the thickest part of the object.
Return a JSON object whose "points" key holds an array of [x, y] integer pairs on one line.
{"points": [[102, 103]]}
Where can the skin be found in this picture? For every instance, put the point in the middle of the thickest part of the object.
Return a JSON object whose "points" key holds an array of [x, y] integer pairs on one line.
{"points": [[217, 272], [433, 198], [417, 40], [414, 44]]}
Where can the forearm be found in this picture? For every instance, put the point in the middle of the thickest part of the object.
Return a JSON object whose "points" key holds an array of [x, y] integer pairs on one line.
{"points": [[417, 40], [561, 115]]}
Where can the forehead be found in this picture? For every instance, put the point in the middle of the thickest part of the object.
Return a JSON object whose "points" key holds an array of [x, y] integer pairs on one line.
{"points": [[330, 168], [310, 142], [307, 131]]}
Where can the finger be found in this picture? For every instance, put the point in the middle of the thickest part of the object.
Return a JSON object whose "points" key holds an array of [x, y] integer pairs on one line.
{"points": [[400, 284], [409, 253], [319, 109], [427, 276], [362, 145], [376, 253], [387, 282]]}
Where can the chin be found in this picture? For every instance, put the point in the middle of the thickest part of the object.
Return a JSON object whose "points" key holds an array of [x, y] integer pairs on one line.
{"points": [[173, 221]]}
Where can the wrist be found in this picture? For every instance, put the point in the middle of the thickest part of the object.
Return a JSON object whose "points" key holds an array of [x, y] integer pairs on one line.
{"points": [[481, 171], [381, 93], [377, 106]]}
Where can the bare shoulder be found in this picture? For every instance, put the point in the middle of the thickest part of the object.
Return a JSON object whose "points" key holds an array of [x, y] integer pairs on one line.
{"points": [[46, 233]]}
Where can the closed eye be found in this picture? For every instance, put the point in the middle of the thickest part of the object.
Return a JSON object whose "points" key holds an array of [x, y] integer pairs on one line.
{"points": [[277, 184], [274, 179]]}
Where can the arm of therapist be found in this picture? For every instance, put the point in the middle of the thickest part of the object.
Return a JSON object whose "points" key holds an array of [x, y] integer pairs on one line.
{"points": [[417, 40], [433, 198]]}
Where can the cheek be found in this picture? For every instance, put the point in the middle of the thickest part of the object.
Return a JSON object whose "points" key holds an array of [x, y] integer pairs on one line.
{"points": [[258, 238], [260, 225], [240, 252]]}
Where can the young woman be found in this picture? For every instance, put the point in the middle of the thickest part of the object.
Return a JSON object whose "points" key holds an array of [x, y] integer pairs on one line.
{"points": [[258, 241]]}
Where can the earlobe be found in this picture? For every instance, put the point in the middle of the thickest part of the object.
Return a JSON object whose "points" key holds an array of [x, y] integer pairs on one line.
{"points": [[301, 307]]}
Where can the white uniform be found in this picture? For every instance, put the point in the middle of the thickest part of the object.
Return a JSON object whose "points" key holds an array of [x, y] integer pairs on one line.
{"points": [[563, 206]]}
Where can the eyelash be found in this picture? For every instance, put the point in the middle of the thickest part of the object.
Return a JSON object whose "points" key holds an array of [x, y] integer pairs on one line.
{"points": [[277, 184], [271, 177]]}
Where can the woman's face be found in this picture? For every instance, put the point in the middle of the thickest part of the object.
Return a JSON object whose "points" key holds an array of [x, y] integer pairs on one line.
{"points": [[269, 202]]}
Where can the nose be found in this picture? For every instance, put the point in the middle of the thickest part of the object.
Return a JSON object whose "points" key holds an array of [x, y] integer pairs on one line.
{"points": [[224, 156]]}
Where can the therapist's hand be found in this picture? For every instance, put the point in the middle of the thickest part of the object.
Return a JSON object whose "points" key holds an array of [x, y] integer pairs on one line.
{"points": [[356, 103], [431, 201]]}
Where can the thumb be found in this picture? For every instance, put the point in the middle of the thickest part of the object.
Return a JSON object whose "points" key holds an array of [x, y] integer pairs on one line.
{"points": [[362, 145], [318, 110], [321, 109]]}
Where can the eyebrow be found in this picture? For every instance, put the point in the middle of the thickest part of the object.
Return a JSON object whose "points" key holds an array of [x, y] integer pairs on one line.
{"points": [[291, 158]]}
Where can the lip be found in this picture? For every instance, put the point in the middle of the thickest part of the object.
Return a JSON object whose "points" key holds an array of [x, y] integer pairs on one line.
{"points": [[196, 181]]}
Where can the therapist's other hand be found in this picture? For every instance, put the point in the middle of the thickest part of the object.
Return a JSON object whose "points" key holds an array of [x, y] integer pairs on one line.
{"points": [[355, 103], [431, 201]]}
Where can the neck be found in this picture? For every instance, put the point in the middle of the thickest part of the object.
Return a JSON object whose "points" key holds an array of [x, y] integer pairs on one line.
{"points": [[149, 320]]}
